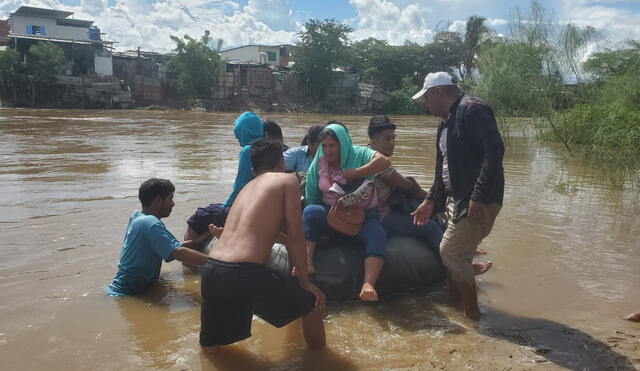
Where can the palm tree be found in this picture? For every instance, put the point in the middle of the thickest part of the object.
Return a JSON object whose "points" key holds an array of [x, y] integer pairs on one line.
{"points": [[574, 42], [474, 32]]}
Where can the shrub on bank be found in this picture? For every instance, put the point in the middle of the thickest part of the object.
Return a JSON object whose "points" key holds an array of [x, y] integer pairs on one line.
{"points": [[400, 103], [609, 132]]}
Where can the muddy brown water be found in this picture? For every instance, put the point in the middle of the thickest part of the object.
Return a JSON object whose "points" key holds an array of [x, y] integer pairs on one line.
{"points": [[565, 251]]}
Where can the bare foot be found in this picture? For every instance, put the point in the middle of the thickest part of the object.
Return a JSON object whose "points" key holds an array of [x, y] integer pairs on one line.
{"points": [[310, 270], [480, 252], [481, 267], [635, 317], [368, 293]]}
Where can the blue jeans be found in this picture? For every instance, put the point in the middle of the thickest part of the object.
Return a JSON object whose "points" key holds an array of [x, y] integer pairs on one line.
{"points": [[396, 223], [314, 221]]}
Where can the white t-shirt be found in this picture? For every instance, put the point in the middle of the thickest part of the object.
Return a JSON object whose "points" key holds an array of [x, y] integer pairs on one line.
{"points": [[445, 161]]}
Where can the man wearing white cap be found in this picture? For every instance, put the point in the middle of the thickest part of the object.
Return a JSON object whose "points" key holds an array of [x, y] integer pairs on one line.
{"points": [[469, 179]]}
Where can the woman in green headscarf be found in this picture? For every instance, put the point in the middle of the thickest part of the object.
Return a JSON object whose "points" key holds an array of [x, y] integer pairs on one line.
{"points": [[339, 161]]}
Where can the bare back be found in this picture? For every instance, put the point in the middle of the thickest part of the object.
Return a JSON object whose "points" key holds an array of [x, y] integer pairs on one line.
{"points": [[266, 206]]}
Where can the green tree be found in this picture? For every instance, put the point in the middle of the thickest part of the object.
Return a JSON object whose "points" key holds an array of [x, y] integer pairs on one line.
{"points": [[445, 52], [47, 60], [614, 62], [323, 46], [194, 67], [475, 30], [573, 43], [400, 101], [607, 125], [376, 60], [513, 78], [617, 73], [526, 72], [9, 64], [370, 57]]}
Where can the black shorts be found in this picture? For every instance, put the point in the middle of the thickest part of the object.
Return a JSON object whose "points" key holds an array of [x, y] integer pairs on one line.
{"points": [[233, 292], [213, 214]]}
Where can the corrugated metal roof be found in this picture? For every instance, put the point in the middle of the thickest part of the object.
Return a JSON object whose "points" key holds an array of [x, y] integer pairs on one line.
{"points": [[56, 39], [41, 12]]}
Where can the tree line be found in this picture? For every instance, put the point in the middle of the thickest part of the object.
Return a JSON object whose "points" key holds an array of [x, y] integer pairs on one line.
{"points": [[535, 69]]}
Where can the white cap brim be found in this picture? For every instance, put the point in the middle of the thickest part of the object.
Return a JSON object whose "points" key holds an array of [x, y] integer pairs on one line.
{"points": [[419, 94]]}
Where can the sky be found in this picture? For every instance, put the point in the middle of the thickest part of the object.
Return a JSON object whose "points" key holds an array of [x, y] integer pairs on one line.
{"points": [[150, 23]]}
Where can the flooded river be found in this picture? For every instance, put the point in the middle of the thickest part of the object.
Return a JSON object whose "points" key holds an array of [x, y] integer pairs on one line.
{"points": [[565, 251]]}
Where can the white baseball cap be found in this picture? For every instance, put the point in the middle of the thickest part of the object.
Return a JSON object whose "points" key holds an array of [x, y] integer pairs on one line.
{"points": [[432, 80]]}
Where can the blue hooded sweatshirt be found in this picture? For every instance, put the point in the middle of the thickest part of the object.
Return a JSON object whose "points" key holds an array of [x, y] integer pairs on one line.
{"points": [[248, 129]]}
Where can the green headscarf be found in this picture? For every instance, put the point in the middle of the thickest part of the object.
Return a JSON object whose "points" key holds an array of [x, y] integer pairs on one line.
{"points": [[351, 157]]}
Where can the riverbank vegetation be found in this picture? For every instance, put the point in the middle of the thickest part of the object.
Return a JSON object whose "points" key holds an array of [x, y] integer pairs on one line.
{"points": [[591, 107], [572, 89], [536, 70], [194, 68]]}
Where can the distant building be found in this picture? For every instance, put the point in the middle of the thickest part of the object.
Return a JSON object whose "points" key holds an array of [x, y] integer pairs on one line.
{"points": [[82, 42], [276, 55], [4, 34], [144, 72]]}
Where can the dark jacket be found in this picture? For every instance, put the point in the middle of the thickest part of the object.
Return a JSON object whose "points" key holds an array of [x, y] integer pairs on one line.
{"points": [[475, 151]]}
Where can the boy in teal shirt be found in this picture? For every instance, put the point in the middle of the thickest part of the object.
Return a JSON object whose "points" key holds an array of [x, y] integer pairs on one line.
{"points": [[147, 241]]}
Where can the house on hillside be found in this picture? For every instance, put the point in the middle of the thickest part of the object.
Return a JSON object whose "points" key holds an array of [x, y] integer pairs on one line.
{"points": [[84, 49], [275, 55]]}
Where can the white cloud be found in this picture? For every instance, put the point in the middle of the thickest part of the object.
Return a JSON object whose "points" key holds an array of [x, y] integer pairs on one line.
{"points": [[617, 24], [458, 26], [495, 22], [149, 23], [274, 13], [385, 20]]}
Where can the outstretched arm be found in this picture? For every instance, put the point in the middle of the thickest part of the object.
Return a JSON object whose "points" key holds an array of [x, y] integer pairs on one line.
{"points": [[189, 252], [190, 256], [198, 241]]}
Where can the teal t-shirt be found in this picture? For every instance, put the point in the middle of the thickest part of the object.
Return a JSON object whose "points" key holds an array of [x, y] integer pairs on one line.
{"points": [[146, 243]]}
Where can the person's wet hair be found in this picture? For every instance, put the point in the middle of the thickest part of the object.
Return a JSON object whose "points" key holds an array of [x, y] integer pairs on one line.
{"points": [[154, 187], [272, 130], [312, 136], [378, 124], [266, 154]]}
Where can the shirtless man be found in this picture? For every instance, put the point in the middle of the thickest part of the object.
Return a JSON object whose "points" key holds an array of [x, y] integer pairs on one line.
{"points": [[236, 283]]}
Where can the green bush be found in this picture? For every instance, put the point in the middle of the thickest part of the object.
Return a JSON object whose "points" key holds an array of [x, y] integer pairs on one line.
{"points": [[609, 132], [400, 102]]}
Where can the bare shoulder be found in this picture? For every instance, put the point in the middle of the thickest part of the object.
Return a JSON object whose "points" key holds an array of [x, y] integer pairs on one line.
{"points": [[282, 179]]}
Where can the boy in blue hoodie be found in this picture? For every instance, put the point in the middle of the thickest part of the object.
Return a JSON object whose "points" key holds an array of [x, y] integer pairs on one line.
{"points": [[247, 128]]}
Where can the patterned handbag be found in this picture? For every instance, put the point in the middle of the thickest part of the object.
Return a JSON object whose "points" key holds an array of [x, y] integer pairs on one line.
{"points": [[347, 215]]}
